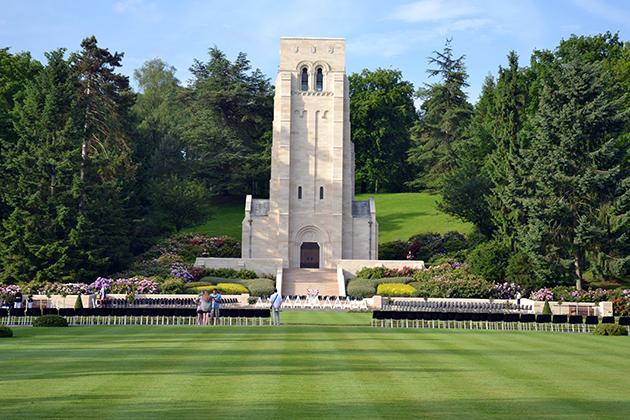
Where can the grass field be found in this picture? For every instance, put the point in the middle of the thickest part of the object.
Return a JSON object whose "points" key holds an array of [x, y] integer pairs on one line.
{"points": [[399, 216], [310, 372], [403, 215]]}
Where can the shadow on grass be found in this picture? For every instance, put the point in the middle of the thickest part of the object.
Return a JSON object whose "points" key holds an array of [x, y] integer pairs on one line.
{"points": [[269, 405]]}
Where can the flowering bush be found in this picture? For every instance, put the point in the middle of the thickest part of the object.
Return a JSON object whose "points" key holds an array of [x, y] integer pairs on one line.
{"points": [[451, 281], [542, 294], [621, 306], [382, 272], [395, 289], [127, 286], [7, 292], [506, 290], [181, 271], [64, 289]]}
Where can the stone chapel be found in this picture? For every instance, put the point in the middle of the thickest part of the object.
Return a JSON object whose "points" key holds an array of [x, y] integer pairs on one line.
{"points": [[310, 232], [310, 219]]}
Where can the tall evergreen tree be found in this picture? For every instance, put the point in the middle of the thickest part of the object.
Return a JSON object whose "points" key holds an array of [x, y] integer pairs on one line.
{"points": [[228, 134], [505, 165], [575, 159], [16, 70], [444, 116], [382, 113], [34, 238], [465, 189], [100, 239]]}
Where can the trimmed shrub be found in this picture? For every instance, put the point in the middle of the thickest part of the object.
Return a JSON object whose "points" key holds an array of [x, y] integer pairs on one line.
{"points": [[172, 285], [229, 273], [546, 308], [5, 331], [395, 290], [194, 284], [610, 329], [224, 288], [489, 260], [50, 321], [394, 250], [78, 304], [232, 288], [261, 287], [361, 288]]}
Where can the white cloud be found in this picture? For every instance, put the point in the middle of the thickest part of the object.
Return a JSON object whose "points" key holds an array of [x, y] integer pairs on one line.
{"points": [[433, 10]]}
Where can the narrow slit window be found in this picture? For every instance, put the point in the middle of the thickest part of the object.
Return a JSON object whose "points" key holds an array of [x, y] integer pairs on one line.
{"points": [[304, 79], [321, 193], [299, 193], [319, 80]]}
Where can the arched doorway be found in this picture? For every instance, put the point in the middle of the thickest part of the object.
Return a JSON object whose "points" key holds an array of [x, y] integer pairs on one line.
{"points": [[309, 255]]}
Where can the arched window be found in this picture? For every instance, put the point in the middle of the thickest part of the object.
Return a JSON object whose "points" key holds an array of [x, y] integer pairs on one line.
{"points": [[321, 193], [299, 193], [319, 80], [304, 78]]}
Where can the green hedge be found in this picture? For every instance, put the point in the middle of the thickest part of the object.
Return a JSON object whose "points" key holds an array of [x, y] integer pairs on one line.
{"points": [[610, 329], [5, 332], [223, 288], [260, 287], [362, 287], [50, 321], [229, 273]]}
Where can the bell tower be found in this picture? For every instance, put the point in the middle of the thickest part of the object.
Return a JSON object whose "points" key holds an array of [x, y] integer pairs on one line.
{"points": [[310, 219]]}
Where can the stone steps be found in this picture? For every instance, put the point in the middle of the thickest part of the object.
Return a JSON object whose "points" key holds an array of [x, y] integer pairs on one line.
{"points": [[296, 281]]}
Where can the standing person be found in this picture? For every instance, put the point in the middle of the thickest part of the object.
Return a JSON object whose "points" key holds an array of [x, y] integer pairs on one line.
{"points": [[102, 295], [215, 312], [204, 304], [276, 303], [29, 303], [199, 311], [17, 303]]}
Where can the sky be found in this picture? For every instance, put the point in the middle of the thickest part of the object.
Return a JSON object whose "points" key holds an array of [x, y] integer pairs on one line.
{"points": [[379, 33]]}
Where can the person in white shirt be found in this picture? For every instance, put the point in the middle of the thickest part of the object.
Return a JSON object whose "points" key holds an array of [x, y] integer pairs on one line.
{"points": [[276, 303]]}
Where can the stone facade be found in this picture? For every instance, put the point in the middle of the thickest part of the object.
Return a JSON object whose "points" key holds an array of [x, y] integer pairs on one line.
{"points": [[310, 219]]}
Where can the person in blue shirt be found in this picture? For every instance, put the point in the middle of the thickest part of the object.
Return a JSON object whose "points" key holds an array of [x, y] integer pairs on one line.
{"points": [[215, 297], [276, 303]]}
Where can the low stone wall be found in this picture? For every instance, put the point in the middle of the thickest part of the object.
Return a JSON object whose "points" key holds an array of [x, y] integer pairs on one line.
{"points": [[90, 301], [557, 308]]}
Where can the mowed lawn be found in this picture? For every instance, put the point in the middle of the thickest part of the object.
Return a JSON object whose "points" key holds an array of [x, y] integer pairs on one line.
{"points": [[403, 215], [309, 372], [399, 217]]}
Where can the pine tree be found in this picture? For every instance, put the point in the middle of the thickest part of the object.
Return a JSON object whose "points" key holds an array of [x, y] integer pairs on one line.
{"points": [[465, 188], [100, 238], [445, 114], [505, 165], [34, 238], [575, 159]]}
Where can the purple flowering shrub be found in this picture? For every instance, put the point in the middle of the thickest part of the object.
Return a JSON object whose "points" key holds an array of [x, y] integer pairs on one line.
{"points": [[542, 294], [506, 290], [126, 286]]}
